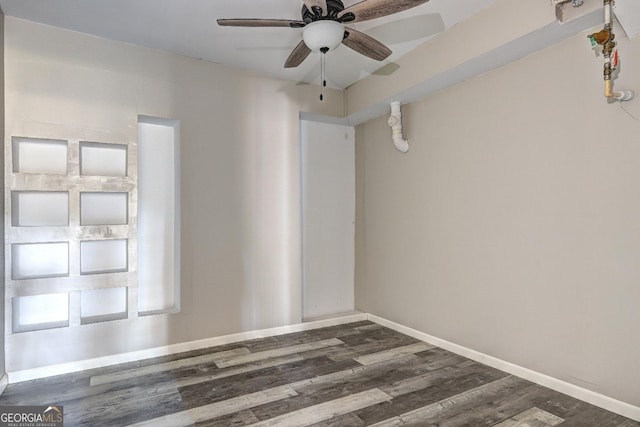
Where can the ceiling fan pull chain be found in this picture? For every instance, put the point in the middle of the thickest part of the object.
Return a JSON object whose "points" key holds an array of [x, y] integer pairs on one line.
{"points": [[321, 75], [323, 80], [324, 75]]}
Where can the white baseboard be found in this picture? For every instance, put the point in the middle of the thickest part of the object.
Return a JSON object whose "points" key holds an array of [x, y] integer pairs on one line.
{"points": [[82, 365], [4, 381], [597, 399]]}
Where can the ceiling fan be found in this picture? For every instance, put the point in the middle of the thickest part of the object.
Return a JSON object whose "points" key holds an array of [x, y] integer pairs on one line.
{"points": [[323, 27]]}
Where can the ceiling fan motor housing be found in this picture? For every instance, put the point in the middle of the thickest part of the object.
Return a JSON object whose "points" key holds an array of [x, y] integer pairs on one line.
{"points": [[333, 8]]}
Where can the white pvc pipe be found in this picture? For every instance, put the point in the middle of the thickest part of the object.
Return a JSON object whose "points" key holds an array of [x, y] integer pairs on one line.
{"points": [[395, 122], [625, 95], [607, 15], [607, 24]]}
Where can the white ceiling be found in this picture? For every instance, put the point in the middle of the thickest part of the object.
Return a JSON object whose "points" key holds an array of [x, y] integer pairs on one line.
{"points": [[189, 28]]}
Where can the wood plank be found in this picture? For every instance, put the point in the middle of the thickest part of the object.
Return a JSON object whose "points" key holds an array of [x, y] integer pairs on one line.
{"points": [[242, 418], [315, 390], [370, 341], [352, 380], [218, 409], [217, 390], [393, 353], [302, 337], [420, 382], [368, 327], [284, 351], [533, 416], [327, 410], [167, 366], [347, 375], [437, 410], [344, 379], [226, 373], [350, 420], [118, 405]]}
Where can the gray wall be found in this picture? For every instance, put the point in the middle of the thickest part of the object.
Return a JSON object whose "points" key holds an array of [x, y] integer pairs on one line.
{"points": [[240, 178], [512, 226]]}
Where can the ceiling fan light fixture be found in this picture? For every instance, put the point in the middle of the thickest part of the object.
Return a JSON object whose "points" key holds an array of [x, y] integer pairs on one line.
{"points": [[323, 34]]}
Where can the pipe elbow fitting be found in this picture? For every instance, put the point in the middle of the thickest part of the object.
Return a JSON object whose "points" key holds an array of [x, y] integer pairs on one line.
{"points": [[401, 144], [395, 122]]}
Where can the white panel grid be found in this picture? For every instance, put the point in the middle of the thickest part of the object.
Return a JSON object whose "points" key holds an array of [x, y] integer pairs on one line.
{"points": [[100, 159], [99, 304], [41, 311], [39, 156], [103, 256], [40, 208], [34, 260], [99, 219], [102, 208]]}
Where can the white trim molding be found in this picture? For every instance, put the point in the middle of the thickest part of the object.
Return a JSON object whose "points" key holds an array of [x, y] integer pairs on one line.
{"points": [[597, 399], [81, 365]]}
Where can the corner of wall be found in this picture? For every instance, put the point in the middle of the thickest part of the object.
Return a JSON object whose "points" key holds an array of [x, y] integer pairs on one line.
{"points": [[360, 239], [2, 364]]}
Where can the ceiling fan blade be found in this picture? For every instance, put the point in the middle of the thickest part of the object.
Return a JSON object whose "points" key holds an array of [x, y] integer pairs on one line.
{"points": [[322, 4], [298, 55], [366, 45], [260, 23], [371, 9]]}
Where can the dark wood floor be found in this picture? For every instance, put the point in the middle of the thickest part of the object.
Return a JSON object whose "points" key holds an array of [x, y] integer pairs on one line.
{"points": [[349, 375]]}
